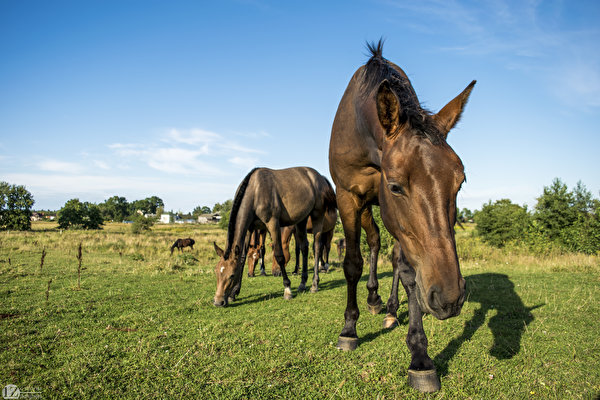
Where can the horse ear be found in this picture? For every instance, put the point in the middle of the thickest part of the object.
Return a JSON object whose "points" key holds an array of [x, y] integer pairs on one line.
{"points": [[388, 108], [237, 250], [219, 251], [448, 116]]}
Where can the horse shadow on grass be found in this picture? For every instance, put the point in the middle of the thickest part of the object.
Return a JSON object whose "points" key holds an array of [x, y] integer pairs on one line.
{"points": [[493, 292]]}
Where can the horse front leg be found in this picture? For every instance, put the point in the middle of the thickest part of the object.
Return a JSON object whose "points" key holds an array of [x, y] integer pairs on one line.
{"points": [[374, 303], [421, 372], [391, 318], [353, 265]]}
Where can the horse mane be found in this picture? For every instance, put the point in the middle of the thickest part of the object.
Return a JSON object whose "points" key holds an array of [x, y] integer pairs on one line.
{"points": [[377, 69], [237, 202]]}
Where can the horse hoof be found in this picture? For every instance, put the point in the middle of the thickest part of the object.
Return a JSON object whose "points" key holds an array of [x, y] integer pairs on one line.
{"points": [[287, 294], [302, 287], [424, 381], [314, 289], [375, 309], [347, 343], [390, 322]]}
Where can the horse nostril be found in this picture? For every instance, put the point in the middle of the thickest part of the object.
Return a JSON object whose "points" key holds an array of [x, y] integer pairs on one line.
{"points": [[219, 303], [433, 298]]}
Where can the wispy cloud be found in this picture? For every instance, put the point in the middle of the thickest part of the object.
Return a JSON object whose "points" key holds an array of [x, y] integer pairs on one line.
{"points": [[190, 152], [59, 166], [530, 36]]}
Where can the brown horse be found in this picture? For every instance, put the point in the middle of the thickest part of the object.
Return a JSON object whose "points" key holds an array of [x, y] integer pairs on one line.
{"points": [[341, 247], [325, 240], [385, 149], [270, 199], [256, 252], [181, 243]]}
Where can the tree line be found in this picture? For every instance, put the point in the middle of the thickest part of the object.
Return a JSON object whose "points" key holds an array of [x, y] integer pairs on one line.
{"points": [[565, 219], [568, 220]]}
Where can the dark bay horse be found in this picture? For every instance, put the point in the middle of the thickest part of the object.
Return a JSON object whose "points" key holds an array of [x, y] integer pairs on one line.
{"points": [[386, 149], [325, 241], [341, 247], [181, 243], [270, 199], [256, 251]]}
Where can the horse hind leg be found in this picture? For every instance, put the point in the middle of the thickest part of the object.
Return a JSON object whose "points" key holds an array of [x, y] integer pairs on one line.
{"points": [[302, 243], [318, 252]]}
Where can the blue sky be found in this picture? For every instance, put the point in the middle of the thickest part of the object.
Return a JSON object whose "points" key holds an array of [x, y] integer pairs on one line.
{"points": [[180, 99]]}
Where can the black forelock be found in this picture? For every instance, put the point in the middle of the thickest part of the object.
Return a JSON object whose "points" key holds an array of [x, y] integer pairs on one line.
{"points": [[377, 69]]}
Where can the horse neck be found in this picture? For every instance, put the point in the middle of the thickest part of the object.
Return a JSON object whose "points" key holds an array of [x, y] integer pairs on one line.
{"points": [[242, 223]]}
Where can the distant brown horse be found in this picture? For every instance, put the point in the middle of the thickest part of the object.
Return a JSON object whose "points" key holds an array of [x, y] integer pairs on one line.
{"points": [[289, 231], [181, 243], [341, 247], [256, 252], [270, 199], [386, 150]]}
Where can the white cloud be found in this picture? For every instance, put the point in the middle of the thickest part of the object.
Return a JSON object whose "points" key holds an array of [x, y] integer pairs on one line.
{"points": [[59, 166], [101, 165], [188, 152], [246, 162]]}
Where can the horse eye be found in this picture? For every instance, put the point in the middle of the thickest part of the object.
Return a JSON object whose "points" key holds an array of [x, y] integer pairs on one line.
{"points": [[396, 189]]}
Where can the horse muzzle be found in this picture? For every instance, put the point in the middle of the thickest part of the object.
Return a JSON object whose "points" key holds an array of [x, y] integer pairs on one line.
{"points": [[220, 301]]}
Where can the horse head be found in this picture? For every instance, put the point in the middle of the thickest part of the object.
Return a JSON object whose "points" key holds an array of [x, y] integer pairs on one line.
{"points": [[420, 178], [226, 272]]}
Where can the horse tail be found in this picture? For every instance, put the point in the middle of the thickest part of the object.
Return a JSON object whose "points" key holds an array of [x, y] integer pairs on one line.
{"points": [[237, 202], [329, 197]]}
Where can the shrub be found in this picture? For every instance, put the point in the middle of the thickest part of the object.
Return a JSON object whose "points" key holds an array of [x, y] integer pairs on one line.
{"points": [[141, 224], [502, 222], [78, 215]]}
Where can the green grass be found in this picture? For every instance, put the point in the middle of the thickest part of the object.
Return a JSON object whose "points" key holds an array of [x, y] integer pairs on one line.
{"points": [[143, 325]]}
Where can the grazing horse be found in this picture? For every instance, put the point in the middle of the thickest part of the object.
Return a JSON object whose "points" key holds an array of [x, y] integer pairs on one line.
{"points": [[181, 243], [341, 247], [270, 199], [325, 240], [256, 251], [386, 150]]}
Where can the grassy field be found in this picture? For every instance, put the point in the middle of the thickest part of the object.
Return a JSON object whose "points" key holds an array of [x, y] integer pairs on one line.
{"points": [[142, 325]]}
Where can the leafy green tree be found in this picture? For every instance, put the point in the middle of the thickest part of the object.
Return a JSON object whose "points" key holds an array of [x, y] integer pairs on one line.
{"points": [[200, 210], [502, 222], [555, 210], [78, 215], [149, 205], [115, 208], [224, 209], [15, 207]]}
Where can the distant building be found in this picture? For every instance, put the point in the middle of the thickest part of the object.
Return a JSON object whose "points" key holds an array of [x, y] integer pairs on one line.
{"points": [[166, 218], [209, 218]]}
